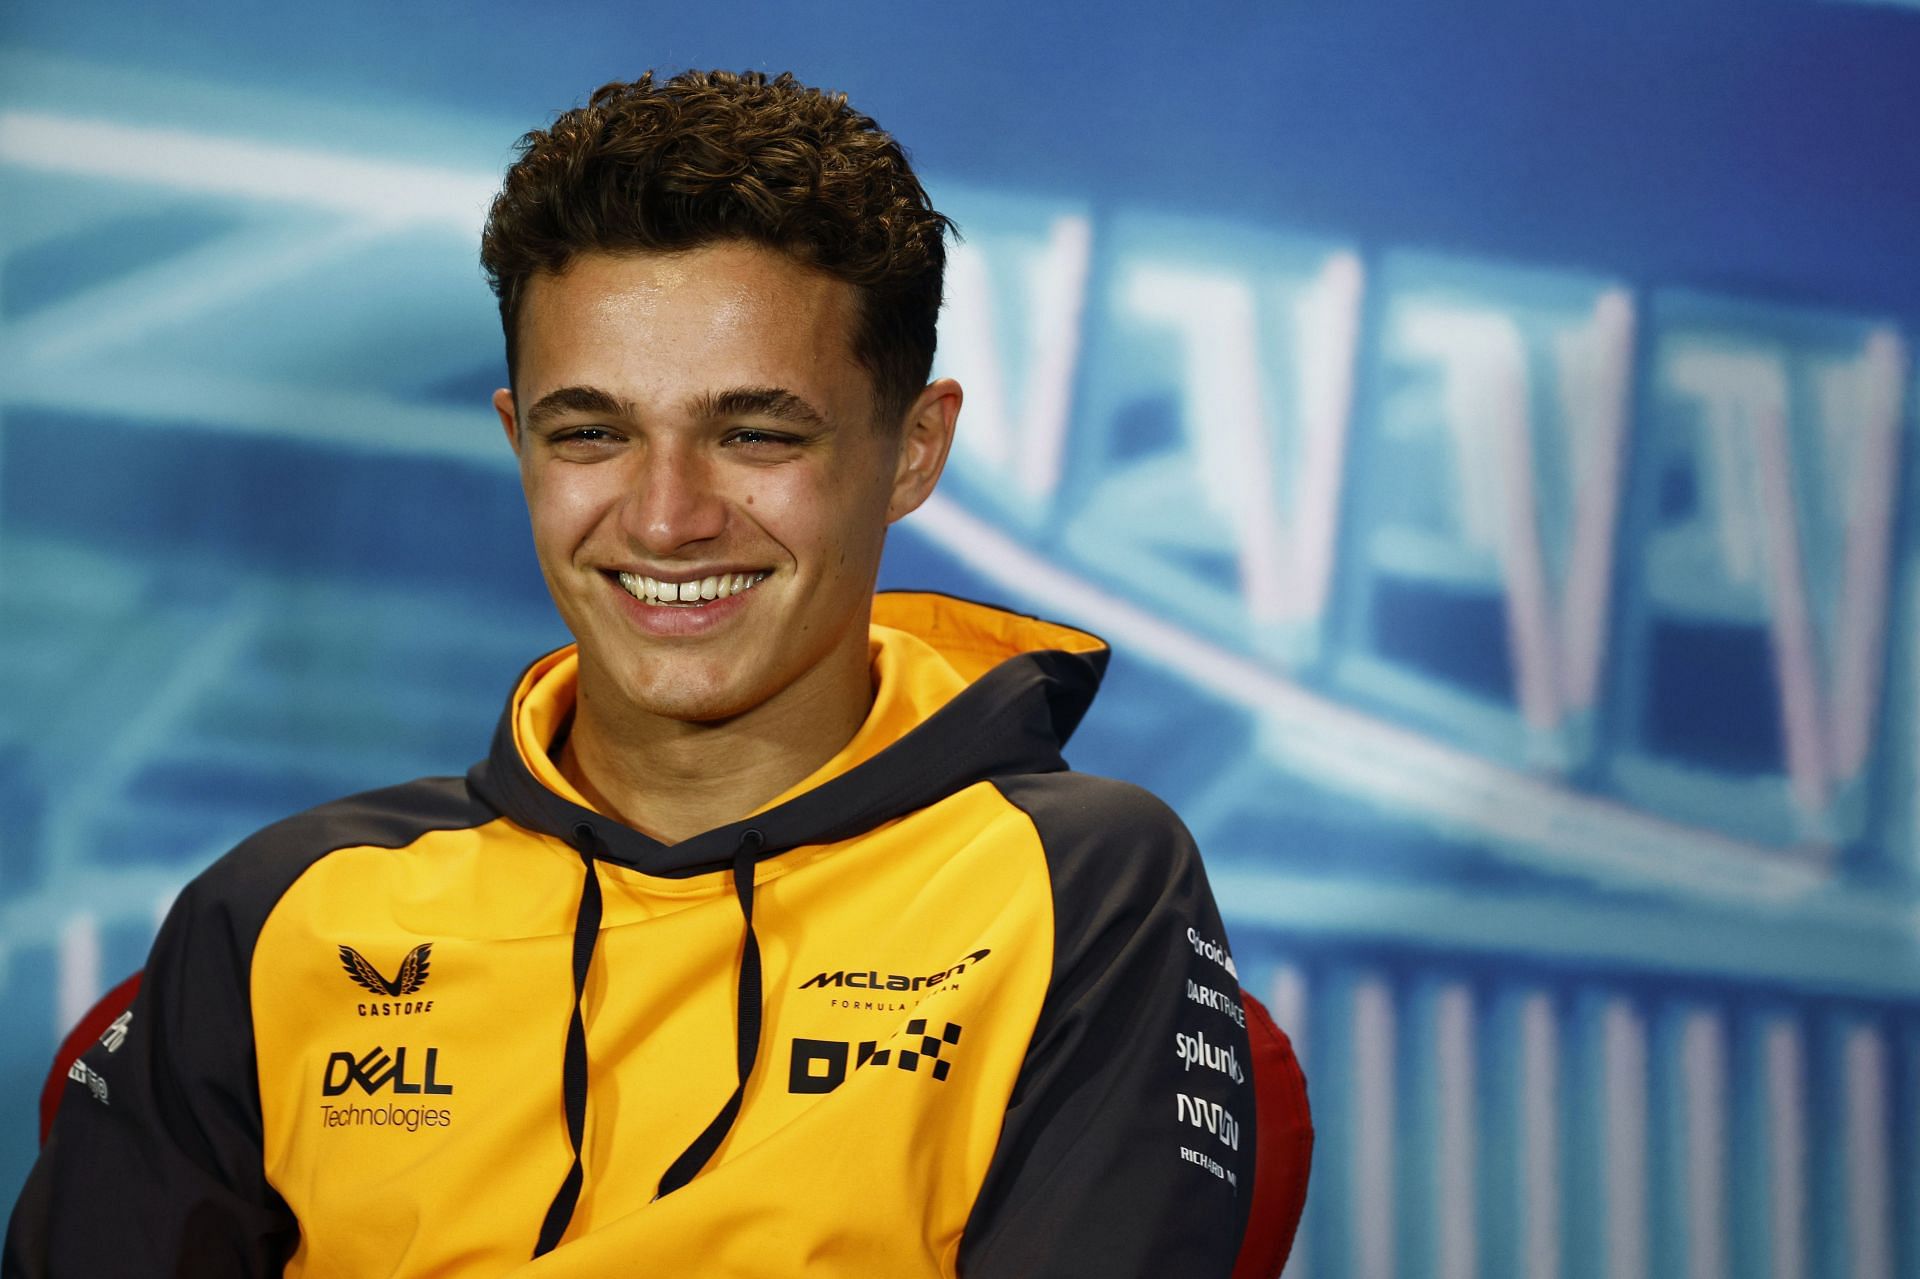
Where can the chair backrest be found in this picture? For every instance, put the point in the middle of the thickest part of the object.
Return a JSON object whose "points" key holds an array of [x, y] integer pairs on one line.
{"points": [[1283, 1154], [1282, 1123]]}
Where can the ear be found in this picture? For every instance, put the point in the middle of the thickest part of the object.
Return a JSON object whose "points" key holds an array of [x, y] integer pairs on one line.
{"points": [[926, 434], [509, 416]]}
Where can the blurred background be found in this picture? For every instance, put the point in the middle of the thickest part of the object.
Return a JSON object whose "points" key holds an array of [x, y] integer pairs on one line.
{"points": [[1484, 431]]}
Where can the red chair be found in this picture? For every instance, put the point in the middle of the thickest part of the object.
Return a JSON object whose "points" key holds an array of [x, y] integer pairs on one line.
{"points": [[1282, 1122], [1283, 1129]]}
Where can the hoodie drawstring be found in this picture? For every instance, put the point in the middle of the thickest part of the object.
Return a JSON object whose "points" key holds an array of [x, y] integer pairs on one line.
{"points": [[586, 935], [573, 1077], [746, 1027]]}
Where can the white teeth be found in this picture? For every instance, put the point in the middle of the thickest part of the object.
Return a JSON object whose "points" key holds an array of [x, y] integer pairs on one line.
{"points": [[720, 586]]}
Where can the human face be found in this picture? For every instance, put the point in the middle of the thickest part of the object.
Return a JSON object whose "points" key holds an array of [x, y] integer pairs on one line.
{"points": [[695, 422]]}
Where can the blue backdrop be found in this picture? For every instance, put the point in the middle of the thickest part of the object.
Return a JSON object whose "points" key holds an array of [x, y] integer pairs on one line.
{"points": [[1486, 433]]}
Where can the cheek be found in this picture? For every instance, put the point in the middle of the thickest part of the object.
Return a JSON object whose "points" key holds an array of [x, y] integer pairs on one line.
{"points": [[826, 524], [565, 507]]}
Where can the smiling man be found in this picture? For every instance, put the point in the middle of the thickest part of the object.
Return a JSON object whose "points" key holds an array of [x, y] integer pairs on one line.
{"points": [[774, 936], [710, 482]]}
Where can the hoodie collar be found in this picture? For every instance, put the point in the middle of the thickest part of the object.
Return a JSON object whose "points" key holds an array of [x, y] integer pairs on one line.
{"points": [[964, 692]]}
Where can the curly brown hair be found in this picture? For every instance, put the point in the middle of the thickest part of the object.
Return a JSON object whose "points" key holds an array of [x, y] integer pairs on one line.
{"points": [[709, 156]]}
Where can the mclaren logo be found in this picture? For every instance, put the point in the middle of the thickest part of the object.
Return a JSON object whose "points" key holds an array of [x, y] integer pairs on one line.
{"points": [[411, 977], [870, 980]]}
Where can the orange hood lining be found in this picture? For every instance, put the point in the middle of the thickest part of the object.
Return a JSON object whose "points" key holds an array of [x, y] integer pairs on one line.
{"points": [[926, 648]]}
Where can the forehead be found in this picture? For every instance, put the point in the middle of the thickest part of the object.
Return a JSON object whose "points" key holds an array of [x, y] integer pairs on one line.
{"points": [[720, 315]]}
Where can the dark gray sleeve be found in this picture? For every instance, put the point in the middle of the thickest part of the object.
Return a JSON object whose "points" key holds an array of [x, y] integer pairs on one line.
{"points": [[1128, 1145], [154, 1163]]}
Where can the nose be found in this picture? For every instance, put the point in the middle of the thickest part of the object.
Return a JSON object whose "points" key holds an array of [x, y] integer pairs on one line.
{"points": [[673, 501]]}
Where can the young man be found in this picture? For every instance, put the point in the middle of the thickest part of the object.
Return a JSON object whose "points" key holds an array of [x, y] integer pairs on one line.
{"points": [[773, 937]]}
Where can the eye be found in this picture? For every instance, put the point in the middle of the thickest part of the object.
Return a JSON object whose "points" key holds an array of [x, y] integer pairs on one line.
{"points": [[583, 441], [758, 439]]}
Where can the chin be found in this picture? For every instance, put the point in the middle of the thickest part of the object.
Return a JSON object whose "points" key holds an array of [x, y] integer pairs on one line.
{"points": [[688, 697]]}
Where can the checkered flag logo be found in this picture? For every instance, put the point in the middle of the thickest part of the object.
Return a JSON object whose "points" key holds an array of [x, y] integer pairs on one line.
{"points": [[931, 1046]]}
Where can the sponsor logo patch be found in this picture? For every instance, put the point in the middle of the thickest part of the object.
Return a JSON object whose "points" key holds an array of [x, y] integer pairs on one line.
{"points": [[1218, 1000], [870, 979], [83, 1073], [378, 1069], [411, 977], [1207, 948], [1195, 1050], [1210, 1116], [116, 1033], [820, 1065]]}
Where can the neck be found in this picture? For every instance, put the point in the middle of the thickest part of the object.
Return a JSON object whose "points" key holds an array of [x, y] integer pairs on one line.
{"points": [[673, 779]]}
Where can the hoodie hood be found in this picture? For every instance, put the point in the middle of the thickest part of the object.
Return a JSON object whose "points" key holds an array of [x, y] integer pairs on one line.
{"points": [[1001, 697]]}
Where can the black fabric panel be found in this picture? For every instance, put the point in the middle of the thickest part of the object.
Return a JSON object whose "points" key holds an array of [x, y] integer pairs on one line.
{"points": [[1089, 1176], [165, 1177]]}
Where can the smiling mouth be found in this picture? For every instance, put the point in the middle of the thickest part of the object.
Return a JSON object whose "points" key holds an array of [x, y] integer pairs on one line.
{"points": [[690, 594]]}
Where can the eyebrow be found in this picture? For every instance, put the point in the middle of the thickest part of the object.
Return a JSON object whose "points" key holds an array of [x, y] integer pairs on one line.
{"points": [[578, 399], [758, 401], [740, 401]]}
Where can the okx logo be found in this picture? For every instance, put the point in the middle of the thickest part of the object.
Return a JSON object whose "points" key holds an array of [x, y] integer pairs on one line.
{"points": [[820, 1065], [377, 1070]]}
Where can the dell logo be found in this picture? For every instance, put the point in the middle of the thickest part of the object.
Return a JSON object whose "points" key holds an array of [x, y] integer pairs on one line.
{"points": [[377, 1070]]}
